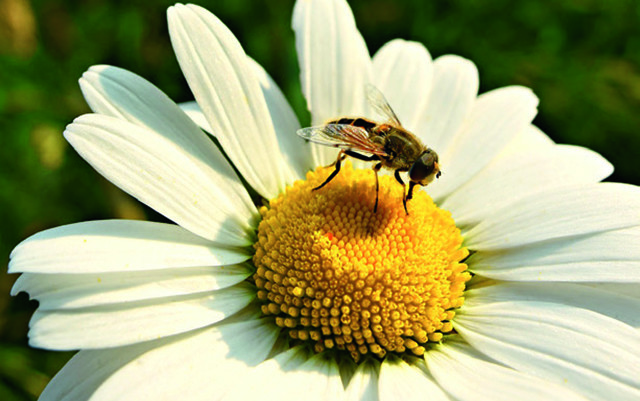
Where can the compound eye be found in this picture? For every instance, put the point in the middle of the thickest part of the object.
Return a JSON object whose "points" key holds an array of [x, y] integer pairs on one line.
{"points": [[423, 167]]}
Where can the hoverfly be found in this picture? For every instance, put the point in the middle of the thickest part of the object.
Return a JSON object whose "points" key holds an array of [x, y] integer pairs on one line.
{"points": [[387, 143]]}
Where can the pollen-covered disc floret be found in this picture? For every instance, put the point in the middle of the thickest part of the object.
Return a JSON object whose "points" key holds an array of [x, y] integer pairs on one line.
{"points": [[333, 272]]}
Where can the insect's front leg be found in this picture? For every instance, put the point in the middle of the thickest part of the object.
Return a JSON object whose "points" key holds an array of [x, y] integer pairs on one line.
{"points": [[376, 168], [404, 187], [412, 184]]}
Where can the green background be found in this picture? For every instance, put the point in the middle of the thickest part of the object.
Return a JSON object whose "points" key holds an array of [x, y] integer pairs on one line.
{"points": [[581, 57]]}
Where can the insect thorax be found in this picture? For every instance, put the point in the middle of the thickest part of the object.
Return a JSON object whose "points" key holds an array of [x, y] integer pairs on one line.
{"points": [[403, 148]]}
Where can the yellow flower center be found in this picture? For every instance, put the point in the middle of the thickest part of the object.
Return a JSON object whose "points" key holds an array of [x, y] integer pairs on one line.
{"points": [[333, 272]]}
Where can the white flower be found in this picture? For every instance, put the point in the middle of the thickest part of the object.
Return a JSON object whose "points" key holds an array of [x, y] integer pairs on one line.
{"points": [[162, 311]]}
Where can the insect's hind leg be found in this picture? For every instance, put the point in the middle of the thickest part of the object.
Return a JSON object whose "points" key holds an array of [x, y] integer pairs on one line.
{"points": [[335, 172], [338, 163], [358, 156]]}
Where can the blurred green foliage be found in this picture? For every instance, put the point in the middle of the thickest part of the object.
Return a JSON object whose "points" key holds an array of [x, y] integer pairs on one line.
{"points": [[581, 57]]}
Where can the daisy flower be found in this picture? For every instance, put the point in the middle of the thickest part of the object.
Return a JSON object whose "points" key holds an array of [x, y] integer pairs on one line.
{"points": [[512, 277]]}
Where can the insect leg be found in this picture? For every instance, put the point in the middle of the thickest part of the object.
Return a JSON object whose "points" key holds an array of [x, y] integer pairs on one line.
{"points": [[404, 189], [376, 168], [335, 172], [410, 194], [411, 185], [358, 156]]}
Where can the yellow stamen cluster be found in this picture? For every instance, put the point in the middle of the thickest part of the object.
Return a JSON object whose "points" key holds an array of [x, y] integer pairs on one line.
{"points": [[333, 272]]}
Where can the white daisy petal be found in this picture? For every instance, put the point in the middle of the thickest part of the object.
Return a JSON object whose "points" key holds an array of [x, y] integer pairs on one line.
{"points": [[87, 370], [194, 112], [630, 290], [403, 71], [611, 256], [618, 305], [169, 311], [400, 381], [126, 323], [454, 91], [364, 383], [273, 374], [116, 92], [495, 119], [195, 366], [109, 246], [521, 174], [530, 139], [467, 377], [196, 188], [199, 367], [294, 149], [334, 64], [576, 348], [71, 291], [225, 86], [291, 376], [558, 213]]}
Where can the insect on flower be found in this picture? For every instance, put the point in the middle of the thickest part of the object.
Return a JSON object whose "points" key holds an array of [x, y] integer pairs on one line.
{"points": [[387, 143]]}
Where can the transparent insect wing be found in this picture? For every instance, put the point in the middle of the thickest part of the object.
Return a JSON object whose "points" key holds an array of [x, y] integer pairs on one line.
{"points": [[379, 103], [342, 136]]}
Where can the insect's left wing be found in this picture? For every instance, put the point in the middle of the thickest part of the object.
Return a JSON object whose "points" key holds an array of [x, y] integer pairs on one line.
{"points": [[379, 103], [342, 136]]}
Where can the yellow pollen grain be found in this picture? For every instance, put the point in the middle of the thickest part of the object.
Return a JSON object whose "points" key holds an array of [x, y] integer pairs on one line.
{"points": [[334, 273]]}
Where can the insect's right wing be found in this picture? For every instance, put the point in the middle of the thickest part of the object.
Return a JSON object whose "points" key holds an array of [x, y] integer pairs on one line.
{"points": [[342, 136]]}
